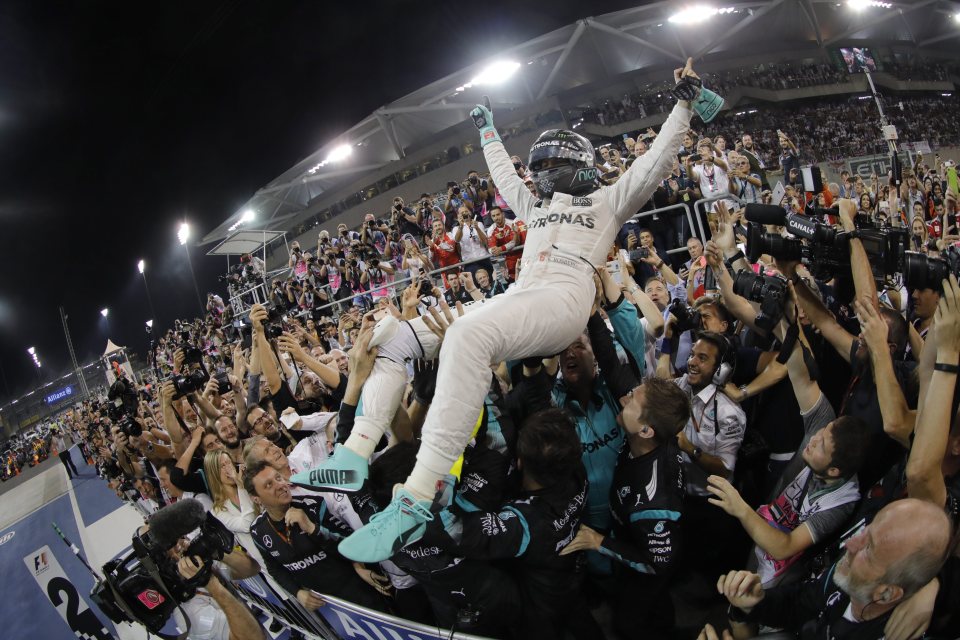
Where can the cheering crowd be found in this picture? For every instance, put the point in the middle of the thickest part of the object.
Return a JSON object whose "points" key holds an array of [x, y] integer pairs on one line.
{"points": [[794, 454], [655, 97]]}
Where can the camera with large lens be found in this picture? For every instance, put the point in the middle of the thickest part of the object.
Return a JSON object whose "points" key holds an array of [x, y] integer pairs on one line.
{"points": [[193, 375], [273, 327], [924, 272], [687, 319], [143, 585], [769, 291], [123, 407], [823, 249]]}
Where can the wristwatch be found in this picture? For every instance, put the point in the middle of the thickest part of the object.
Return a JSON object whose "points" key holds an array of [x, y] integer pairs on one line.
{"points": [[697, 452]]}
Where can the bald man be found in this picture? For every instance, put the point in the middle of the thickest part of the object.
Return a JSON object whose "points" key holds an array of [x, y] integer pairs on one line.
{"points": [[884, 564]]}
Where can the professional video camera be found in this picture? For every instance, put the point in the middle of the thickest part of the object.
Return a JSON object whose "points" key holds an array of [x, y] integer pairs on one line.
{"points": [[193, 375], [769, 291], [825, 252], [239, 275], [144, 585], [924, 272]]}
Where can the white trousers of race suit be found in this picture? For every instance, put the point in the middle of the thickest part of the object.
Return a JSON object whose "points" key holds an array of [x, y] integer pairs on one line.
{"points": [[539, 319]]}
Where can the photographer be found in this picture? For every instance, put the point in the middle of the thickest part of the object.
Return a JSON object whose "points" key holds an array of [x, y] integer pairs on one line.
{"points": [[214, 612], [298, 261], [377, 278], [372, 235], [452, 208], [477, 192], [472, 240], [405, 220], [444, 251], [709, 169]]}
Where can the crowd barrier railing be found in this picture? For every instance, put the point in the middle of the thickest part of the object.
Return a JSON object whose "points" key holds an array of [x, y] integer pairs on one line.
{"points": [[669, 208], [396, 286], [700, 208]]}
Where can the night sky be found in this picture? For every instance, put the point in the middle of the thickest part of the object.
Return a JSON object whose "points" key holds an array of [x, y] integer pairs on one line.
{"points": [[117, 123]]}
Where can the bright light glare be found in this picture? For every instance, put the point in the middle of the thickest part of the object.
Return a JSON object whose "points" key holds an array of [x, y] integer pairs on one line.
{"points": [[141, 266], [697, 13], [339, 153], [495, 73], [184, 233], [860, 5], [32, 350], [150, 323], [104, 312], [247, 216]]}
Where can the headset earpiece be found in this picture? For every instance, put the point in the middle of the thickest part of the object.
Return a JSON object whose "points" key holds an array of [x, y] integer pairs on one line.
{"points": [[727, 366]]}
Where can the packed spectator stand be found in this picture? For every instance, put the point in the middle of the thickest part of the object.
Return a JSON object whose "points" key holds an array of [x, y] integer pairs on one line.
{"points": [[803, 469]]}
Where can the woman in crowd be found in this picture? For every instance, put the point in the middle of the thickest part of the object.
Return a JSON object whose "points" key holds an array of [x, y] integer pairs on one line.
{"points": [[231, 504]]}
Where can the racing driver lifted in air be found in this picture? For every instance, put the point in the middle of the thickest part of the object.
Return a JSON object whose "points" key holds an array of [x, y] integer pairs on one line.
{"points": [[569, 232]]}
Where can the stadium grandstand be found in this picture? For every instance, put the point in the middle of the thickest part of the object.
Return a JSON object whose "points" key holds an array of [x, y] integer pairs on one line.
{"points": [[419, 142]]}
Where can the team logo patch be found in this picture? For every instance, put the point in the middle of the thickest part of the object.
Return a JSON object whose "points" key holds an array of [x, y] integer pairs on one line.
{"points": [[489, 135], [268, 542], [659, 527]]}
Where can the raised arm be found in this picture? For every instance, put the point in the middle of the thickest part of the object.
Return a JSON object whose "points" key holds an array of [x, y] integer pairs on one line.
{"points": [[924, 470], [330, 376], [859, 262], [898, 420], [511, 186]]}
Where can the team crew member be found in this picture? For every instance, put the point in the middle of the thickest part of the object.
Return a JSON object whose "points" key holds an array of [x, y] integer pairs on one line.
{"points": [[568, 232], [646, 495], [536, 524], [709, 442], [298, 549]]}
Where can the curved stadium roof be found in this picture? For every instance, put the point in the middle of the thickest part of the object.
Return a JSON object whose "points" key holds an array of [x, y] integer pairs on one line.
{"points": [[593, 53]]}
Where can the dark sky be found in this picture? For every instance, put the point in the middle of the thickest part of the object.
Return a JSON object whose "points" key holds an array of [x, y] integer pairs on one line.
{"points": [[116, 123]]}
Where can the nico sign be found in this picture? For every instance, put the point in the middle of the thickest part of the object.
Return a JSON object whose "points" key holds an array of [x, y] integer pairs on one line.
{"points": [[59, 395]]}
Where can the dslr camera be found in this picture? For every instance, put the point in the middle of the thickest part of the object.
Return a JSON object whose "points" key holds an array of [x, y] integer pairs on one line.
{"points": [[193, 375], [769, 291], [123, 407], [273, 327]]}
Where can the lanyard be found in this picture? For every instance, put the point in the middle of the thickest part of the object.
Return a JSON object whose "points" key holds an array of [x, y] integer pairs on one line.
{"points": [[285, 538]]}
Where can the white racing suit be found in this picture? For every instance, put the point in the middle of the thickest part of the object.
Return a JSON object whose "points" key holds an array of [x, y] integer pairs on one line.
{"points": [[540, 316]]}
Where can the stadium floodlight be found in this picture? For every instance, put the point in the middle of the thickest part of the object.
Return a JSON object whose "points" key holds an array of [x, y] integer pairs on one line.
{"points": [[183, 234], [697, 13], [33, 354], [495, 73], [339, 153], [150, 324], [141, 266], [860, 5], [104, 312]]}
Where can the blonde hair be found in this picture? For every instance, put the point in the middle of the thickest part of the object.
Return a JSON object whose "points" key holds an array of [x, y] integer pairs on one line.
{"points": [[211, 469]]}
